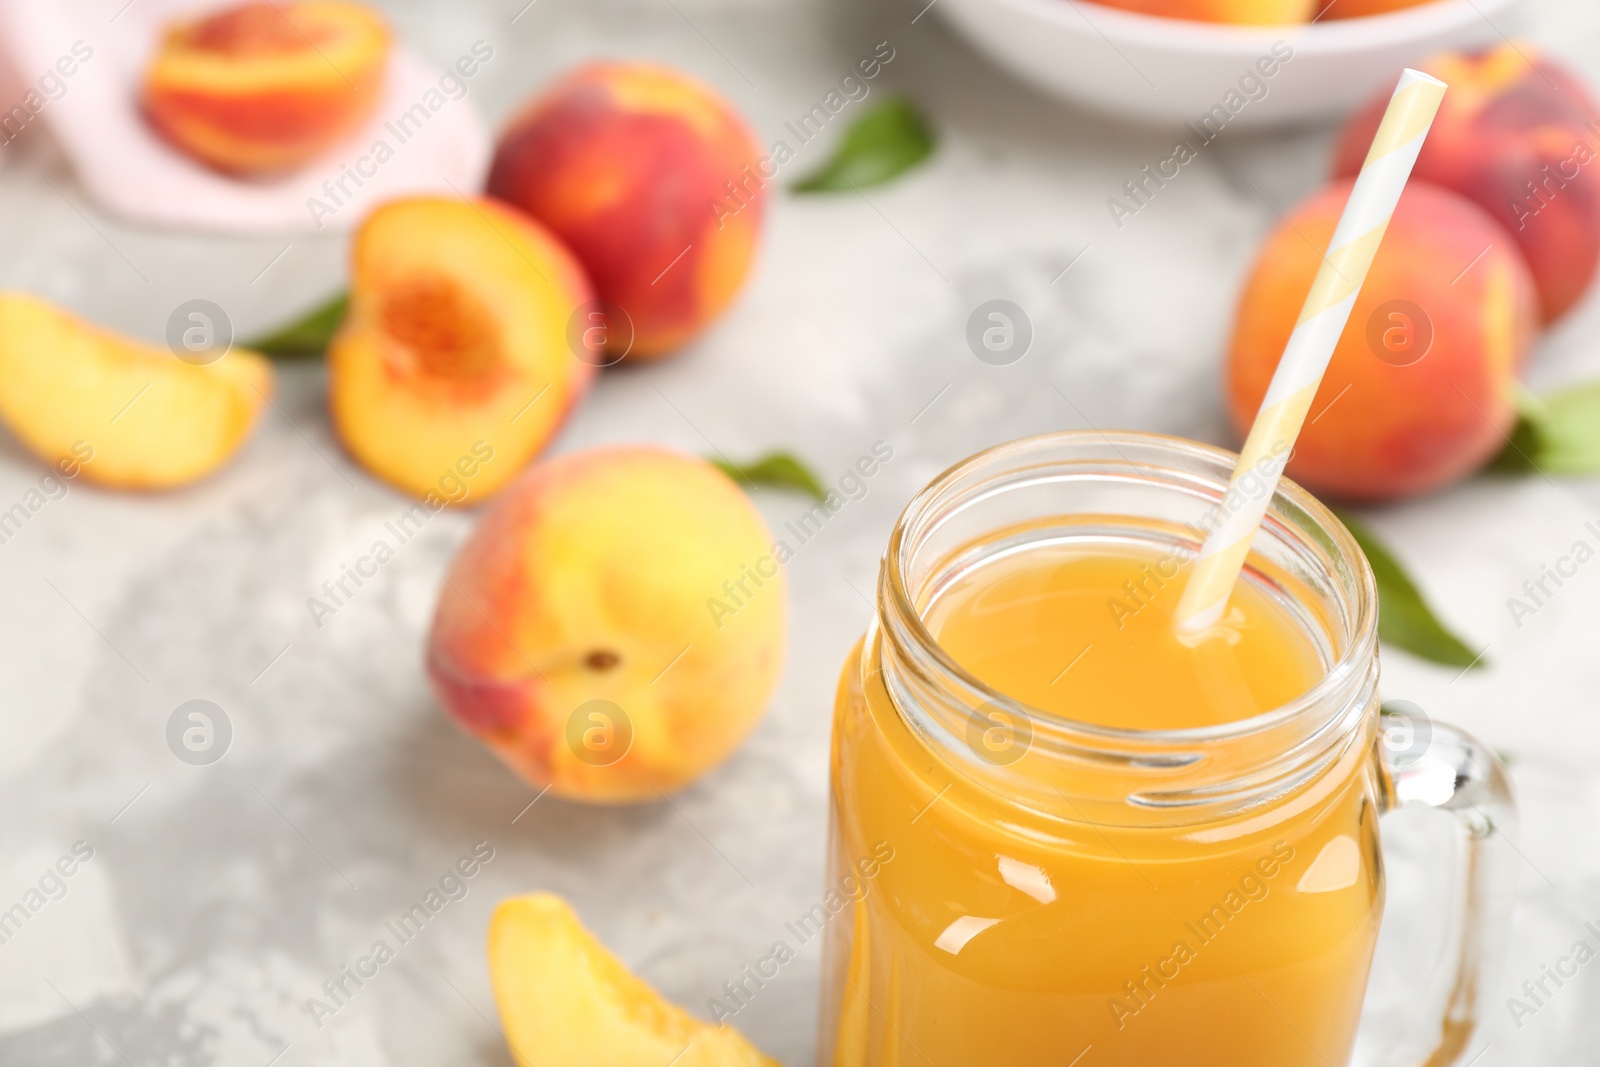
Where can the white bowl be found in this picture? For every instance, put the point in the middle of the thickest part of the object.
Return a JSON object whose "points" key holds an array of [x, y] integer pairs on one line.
{"points": [[1169, 71]]}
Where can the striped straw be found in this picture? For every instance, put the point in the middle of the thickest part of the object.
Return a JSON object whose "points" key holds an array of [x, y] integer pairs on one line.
{"points": [[1283, 411]]}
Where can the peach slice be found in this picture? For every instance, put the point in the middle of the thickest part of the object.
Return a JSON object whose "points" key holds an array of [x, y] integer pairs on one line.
{"points": [[265, 87], [454, 360], [565, 1001], [144, 418], [615, 625], [654, 182]]}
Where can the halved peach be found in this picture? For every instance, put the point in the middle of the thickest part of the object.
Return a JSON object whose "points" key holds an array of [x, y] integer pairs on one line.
{"points": [[265, 87], [131, 415], [454, 364], [565, 1001]]}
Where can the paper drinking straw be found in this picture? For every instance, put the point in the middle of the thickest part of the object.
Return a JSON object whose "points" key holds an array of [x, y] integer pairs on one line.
{"points": [[1283, 410]]}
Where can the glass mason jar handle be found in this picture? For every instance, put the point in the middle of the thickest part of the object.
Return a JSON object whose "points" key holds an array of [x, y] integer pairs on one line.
{"points": [[1449, 769]]}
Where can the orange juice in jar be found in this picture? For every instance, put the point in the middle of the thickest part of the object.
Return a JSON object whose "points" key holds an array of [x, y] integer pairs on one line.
{"points": [[1098, 841]]}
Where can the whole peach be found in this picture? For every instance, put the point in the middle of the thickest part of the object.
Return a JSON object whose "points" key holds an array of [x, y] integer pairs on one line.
{"points": [[657, 186], [1518, 136], [1419, 391], [614, 626]]}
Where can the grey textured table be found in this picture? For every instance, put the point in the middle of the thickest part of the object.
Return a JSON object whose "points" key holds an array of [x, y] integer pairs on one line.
{"points": [[219, 898]]}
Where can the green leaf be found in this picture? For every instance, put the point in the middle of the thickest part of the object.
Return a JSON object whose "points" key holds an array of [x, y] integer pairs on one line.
{"points": [[882, 144], [779, 469], [306, 336], [1404, 618], [1557, 434], [1517, 456]]}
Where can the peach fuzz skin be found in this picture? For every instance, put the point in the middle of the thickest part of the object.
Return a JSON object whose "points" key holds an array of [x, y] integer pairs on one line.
{"points": [[265, 87], [625, 162], [453, 367], [591, 579], [123, 413], [1238, 12], [565, 1000], [1379, 430], [1506, 123]]}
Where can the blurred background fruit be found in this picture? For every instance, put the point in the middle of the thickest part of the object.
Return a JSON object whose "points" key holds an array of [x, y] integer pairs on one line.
{"points": [[615, 625], [1171, 71], [1518, 136], [454, 352], [1355, 9], [1420, 390], [626, 163], [131, 415], [1240, 12], [565, 1000], [266, 87]]}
